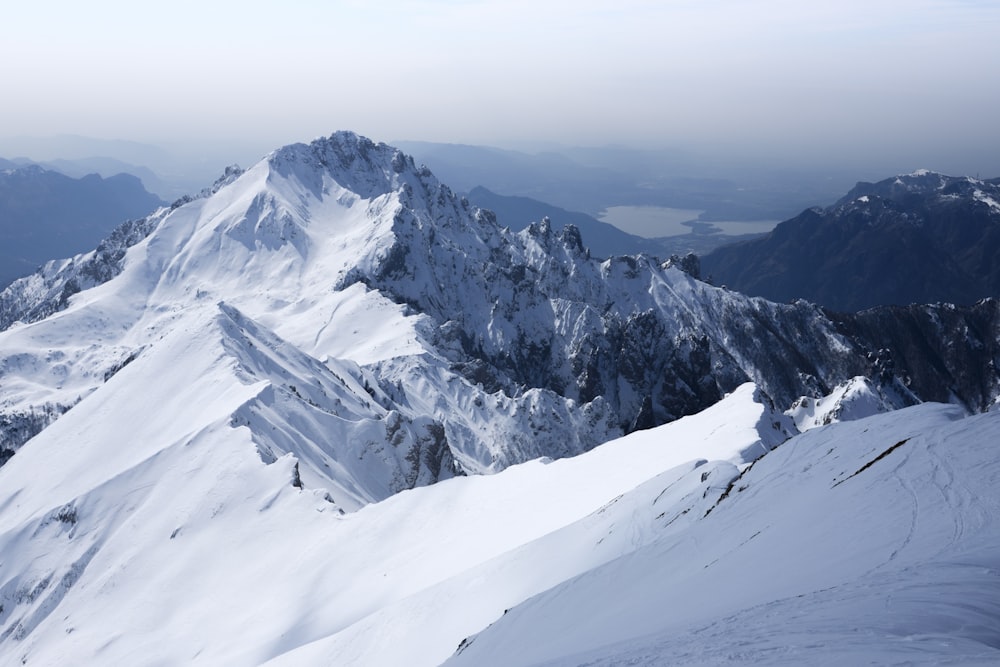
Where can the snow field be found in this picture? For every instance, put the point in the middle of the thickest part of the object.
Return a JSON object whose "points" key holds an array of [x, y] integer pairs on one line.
{"points": [[189, 550], [812, 562]]}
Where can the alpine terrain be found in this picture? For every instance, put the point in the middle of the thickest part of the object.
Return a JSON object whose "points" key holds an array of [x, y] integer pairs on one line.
{"points": [[328, 412], [915, 238]]}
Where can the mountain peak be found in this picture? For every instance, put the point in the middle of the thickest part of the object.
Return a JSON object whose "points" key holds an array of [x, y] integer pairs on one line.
{"points": [[922, 184], [367, 168], [24, 170]]}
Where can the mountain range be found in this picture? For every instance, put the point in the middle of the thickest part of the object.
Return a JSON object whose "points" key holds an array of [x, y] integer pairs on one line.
{"points": [[303, 414], [45, 214], [916, 238], [343, 226]]}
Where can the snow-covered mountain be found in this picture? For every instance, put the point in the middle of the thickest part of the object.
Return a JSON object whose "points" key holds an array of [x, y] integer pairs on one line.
{"points": [[462, 346], [251, 426], [519, 212], [914, 238]]}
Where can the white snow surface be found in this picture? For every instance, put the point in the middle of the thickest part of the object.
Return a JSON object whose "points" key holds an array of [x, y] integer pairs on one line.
{"points": [[171, 543], [867, 542], [986, 199], [855, 399]]}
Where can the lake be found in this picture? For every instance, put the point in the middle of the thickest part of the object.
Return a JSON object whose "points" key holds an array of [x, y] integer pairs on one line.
{"points": [[657, 221]]}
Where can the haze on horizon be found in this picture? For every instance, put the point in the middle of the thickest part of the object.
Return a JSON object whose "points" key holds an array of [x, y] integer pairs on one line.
{"points": [[906, 83]]}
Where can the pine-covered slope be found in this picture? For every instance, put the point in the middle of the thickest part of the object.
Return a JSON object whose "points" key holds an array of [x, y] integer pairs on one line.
{"points": [[919, 238]]}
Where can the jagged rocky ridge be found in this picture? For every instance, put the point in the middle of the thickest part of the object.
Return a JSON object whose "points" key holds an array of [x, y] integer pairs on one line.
{"points": [[400, 336], [917, 238]]}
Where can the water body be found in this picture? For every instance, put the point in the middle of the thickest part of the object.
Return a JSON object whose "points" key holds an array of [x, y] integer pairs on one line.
{"points": [[659, 221]]}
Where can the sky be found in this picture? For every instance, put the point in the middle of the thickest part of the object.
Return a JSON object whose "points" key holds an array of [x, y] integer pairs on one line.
{"points": [[845, 80]]}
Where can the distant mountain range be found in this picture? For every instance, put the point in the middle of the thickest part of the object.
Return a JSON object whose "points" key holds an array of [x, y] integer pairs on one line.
{"points": [[917, 238], [45, 214], [168, 173]]}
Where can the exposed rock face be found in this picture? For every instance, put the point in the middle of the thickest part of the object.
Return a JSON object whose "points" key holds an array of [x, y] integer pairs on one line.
{"points": [[942, 352]]}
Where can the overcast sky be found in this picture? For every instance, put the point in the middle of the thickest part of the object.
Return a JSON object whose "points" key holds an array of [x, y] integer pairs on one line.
{"points": [[844, 79]]}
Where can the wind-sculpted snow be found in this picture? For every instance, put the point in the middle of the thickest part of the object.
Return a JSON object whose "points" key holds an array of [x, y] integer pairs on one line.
{"points": [[331, 418]]}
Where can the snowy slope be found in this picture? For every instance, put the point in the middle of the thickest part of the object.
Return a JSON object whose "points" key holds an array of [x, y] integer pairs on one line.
{"points": [[855, 399], [172, 544], [870, 542], [284, 244], [835, 546]]}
